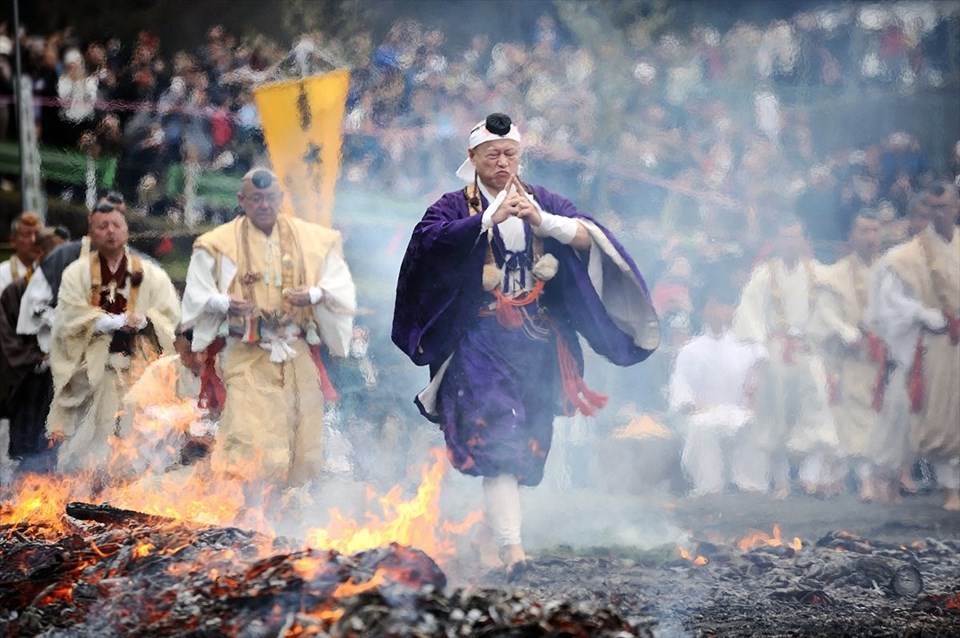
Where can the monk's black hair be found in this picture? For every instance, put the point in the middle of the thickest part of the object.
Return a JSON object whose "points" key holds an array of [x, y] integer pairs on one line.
{"points": [[261, 178], [104, 207], [498, 123]]}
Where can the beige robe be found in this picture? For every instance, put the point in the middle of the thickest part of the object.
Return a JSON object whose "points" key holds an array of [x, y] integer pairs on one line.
{"points": [[272, 423], [906, 292], [89, 381], [791, 408], [836, 325]]}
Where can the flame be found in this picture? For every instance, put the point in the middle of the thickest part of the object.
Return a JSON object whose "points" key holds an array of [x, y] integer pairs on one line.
{"points": [[349, 588], [758, 539], [413, 522], [193, 495], [698, 560], [143, 549]]}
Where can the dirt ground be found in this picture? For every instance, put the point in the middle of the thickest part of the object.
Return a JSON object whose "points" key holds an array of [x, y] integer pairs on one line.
{"points": [[619, 550]]}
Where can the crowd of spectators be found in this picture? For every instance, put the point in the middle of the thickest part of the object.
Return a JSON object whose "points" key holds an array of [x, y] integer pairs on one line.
{"points": [[692, 141]]}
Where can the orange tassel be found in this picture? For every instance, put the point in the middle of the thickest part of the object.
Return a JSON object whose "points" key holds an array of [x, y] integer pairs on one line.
{"points": [[326, 387], [953, 324], [507, 314], [578, 395], [878, 354], [213, 394], [915, 388]]}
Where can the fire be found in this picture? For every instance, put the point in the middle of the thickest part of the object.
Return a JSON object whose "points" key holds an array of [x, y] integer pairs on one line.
{"points": [[758, 539], [698, 560], [414, 522], [143, 549], [349, 588], [191, 494]]}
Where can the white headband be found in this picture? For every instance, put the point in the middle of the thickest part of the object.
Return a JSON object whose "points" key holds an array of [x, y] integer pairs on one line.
{"points": [[478, 136]]}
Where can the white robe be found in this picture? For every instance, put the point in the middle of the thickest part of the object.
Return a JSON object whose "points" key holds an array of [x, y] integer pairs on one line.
{"points": [[836, 325], [901, 313], [707, 391], [88, 380], [6, 271], [792, 411]]}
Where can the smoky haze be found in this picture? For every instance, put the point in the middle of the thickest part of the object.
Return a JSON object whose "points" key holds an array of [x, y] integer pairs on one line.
{"points": [[691, 134], [689, 129]]}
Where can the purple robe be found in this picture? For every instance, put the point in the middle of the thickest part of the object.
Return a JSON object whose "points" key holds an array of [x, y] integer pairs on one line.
{"points": [[501, 390]]}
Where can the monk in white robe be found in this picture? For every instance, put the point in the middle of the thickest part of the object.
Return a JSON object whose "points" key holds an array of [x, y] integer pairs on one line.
{"points": [[793, 419], [856, 358], [23, 236], [269, 291], [23, 240], [708, 392], [889, 450], [915, 307], [116, 313]]}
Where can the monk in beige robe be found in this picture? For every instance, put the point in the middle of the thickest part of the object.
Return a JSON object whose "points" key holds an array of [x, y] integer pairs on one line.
{"points": [[116, 313], [855, 358], [268, 291], [915, 305], [793, 421]]}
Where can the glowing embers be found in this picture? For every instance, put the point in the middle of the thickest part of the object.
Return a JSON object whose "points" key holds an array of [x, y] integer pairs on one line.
{"points": [[698, 560], [756, 539]]}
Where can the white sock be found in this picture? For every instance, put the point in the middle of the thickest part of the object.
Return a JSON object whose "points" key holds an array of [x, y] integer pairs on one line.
{"points": [[948, 474], [502, 499]]}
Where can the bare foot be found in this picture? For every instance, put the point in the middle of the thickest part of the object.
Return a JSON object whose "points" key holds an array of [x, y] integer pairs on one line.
{"points": [[907, 484], [515, 561], [953, 501], [781, 492], [868, 491]]}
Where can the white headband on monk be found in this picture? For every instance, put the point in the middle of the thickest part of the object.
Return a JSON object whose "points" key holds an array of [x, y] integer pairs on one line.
{"points": [[478, 136]]}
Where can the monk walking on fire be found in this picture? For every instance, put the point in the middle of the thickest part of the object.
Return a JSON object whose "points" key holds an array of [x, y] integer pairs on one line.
{"points": [[116, 313], [499, 280], [267, 291], [915, 307]]}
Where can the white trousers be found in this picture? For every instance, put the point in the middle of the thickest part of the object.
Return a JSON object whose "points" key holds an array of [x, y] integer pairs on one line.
{"points": [[502, 508]]}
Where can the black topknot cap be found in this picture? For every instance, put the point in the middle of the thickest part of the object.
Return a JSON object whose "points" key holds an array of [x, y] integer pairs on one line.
{"points": [[261, 178], [498, 123]]}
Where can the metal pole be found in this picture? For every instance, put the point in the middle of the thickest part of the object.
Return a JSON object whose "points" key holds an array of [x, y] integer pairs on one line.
{"points": [[17, 87]]}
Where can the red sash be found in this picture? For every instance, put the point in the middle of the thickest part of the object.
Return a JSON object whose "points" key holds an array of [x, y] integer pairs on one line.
{"points": [[915, 389], [877, 352], [213, 394]]}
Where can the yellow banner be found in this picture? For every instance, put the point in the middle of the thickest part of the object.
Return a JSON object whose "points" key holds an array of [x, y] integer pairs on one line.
{"points": [[303, 128]]}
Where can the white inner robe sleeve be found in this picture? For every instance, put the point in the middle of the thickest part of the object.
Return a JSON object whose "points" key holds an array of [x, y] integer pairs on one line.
{"points": [[896, 314], [205, 304], [334, 314], [109, 323]]}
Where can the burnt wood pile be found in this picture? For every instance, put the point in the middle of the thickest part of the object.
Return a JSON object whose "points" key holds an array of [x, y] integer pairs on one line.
{"points": [[106, 572], [122, 573]]}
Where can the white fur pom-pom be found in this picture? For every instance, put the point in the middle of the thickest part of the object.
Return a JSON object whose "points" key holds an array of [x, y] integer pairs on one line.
{"points": [[546, 267], [492, 276]]}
